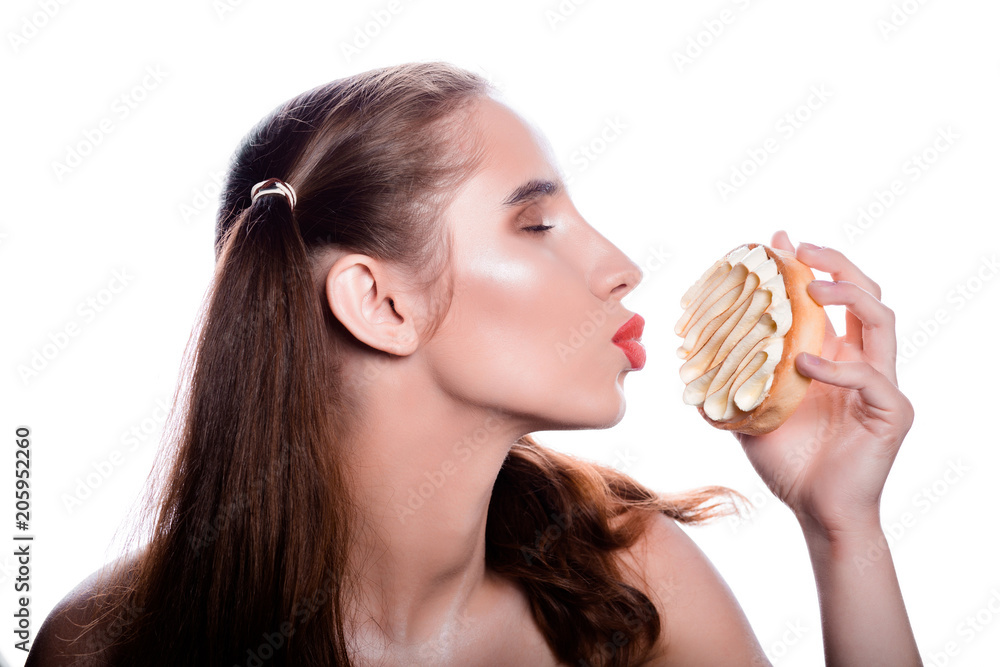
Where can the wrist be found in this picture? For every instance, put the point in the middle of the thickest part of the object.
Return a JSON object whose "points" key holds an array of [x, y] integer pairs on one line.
{"points": [[858, 532]]}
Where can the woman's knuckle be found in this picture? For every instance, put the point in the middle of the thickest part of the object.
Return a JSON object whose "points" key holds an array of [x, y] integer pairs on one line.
{"points": [[907, 410]]}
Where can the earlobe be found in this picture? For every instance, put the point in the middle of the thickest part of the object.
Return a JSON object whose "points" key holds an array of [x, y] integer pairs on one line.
{"points": [[362, 294]]}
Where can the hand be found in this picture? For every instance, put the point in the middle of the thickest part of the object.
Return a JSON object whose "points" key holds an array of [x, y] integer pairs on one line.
{"points": [[829, 461]]}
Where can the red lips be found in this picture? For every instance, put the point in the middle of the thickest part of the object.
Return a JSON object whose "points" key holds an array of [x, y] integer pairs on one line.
{"points": [[627, 338]]}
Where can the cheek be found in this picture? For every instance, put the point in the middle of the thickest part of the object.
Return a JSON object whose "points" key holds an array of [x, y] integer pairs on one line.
{"points": [[507, 310], [524, 333]]}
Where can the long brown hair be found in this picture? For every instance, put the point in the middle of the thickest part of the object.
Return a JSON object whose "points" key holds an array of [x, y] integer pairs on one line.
{"points": [[246, 561]]}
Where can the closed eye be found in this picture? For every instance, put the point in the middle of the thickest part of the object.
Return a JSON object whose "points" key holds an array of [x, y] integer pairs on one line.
{"points": [[534, 213]]}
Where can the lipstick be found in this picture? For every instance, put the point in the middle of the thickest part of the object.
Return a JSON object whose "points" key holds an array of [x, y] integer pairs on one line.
{"points": [[627, 338]]}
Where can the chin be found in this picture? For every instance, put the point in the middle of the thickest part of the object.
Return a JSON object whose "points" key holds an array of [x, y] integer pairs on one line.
{"points": [[606, 414], [593, 416]]}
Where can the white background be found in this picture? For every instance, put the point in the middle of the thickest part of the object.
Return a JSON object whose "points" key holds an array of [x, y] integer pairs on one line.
{"points": [[142, 201]]}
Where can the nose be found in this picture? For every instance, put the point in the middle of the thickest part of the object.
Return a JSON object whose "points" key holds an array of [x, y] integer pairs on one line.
{"points": [[617, 275]]}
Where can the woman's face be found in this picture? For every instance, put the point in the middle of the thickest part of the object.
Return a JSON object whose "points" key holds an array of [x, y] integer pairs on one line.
{"points": [[530, 325]]}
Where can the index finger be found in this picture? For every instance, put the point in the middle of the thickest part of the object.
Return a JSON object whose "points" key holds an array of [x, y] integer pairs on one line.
{"points": [[837, 265]]}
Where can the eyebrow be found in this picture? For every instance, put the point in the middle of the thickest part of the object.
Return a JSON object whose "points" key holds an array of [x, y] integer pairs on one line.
{"points": [[532, 190]]}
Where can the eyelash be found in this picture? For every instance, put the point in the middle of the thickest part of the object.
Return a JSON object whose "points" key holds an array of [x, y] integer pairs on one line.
{"points": [[538, 229]]}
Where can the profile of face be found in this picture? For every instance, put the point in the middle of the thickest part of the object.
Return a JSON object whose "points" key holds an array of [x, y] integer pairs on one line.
{"points": [[537, 290]]}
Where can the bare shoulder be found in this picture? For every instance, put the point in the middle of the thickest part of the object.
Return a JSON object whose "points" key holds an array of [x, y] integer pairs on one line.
{"points": [[74, 633], [702, 623]]}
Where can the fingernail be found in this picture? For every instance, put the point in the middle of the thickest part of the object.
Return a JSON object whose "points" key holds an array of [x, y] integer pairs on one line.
{"points": [[809, 246], [822, 284]]}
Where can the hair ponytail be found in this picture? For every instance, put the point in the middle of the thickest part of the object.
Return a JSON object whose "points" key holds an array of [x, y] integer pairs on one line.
{"points": [[252, 531], [251, 521]]}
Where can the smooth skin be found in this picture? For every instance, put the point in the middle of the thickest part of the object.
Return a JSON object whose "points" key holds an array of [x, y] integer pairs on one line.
{"points": [[439, 416]]}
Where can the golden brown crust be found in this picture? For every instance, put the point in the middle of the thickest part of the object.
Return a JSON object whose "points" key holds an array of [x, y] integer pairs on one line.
{"points": [[804, 335]]}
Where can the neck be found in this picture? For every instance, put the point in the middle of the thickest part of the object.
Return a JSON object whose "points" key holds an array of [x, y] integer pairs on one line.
{"points": [[423, 479]]}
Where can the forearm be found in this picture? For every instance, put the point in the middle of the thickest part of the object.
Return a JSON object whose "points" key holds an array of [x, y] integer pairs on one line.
{"points": [[863, 616]]}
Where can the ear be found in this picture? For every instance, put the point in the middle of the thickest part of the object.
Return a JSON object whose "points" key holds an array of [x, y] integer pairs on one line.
{"points": [[369, 301]]}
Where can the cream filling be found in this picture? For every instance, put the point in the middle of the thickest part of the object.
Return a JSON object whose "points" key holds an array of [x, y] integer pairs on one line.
{"points": [[734, 324]]}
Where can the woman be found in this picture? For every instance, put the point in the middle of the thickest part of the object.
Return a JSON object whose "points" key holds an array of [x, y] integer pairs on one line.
{"points": [[398, 265]]}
